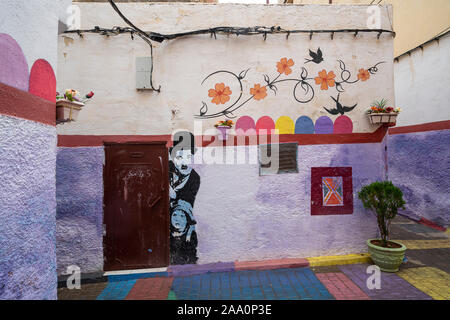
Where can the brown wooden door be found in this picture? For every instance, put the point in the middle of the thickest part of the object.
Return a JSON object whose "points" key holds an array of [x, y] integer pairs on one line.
{"points": [[136, 206]]}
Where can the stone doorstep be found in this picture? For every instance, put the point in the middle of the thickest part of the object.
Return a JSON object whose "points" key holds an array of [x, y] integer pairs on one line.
{"points": [[194, 269], [94, 277]]}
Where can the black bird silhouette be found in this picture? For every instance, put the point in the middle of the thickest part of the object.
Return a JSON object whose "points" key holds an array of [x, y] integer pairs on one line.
{"points": [[339, 108], [316, 57]]}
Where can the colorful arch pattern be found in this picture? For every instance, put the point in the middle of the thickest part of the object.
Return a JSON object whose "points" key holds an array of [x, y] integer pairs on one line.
{"points": [[285, 125], [13, 64], [303, 125], [40, 81], [343, 124], [43, 80], [245, 125], [265, 124]]}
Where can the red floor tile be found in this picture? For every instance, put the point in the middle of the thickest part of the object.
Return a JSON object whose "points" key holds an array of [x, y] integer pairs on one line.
{"points": [[150, 289], [341, 287]]}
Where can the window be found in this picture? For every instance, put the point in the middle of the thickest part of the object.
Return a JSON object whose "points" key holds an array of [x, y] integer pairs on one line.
{"points": [[277, 158]]}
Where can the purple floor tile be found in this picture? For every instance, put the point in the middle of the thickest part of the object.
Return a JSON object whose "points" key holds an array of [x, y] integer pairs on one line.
{"points": [[191, 269], [393, 287]]}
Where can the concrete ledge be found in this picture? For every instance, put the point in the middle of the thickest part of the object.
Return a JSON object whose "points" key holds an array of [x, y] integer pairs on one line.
{"points": [[271, 264], [336, 260]]}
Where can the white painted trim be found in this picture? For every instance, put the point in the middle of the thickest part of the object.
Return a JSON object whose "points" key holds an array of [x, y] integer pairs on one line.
{"points": [[135, 271]]}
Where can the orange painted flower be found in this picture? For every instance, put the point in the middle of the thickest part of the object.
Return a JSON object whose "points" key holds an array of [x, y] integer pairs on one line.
{"points": [[284, 64], [325, 80], [257, 92], [220, 94], [363, 74]]}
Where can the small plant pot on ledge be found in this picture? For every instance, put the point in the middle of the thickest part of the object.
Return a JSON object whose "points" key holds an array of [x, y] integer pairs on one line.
{"points": [[388, 259], [67, 110], [383, 118], [223, 132]]}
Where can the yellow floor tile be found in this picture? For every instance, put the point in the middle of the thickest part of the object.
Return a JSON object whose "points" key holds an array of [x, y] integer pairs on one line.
{"points": [[432, 281]]}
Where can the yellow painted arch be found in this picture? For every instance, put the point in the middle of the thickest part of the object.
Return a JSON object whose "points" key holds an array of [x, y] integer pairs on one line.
{"points": [[285, 125]]}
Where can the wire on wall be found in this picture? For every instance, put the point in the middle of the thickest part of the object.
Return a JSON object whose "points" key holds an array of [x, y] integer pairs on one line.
{"points": [[149, 36]]}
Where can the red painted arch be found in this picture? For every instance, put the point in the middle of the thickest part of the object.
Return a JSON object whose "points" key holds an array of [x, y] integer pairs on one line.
{"points": [[43, 80]]}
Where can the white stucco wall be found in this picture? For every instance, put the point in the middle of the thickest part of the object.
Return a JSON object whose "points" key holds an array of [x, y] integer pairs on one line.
{"points": [[421, 84], [34, 25], [106, 65]]}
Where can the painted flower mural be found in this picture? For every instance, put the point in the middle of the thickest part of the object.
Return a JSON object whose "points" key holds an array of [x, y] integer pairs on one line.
{"points": [[220, 94], [363, 74], [303, 91], [325, 79], [284, 66], [258, 92]]}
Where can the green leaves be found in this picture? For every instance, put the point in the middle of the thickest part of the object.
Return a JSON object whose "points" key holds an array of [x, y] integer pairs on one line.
{"points": [[379, 104], [384, 199]]}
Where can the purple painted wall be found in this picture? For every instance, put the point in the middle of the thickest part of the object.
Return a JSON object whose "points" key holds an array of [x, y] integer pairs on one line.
{"points": [[243, 216], [419, 164], [266, 217], [27, 209], [79, 195]]}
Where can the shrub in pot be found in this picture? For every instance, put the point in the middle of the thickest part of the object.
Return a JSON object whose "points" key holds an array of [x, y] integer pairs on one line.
{"points": [[384, 199]]}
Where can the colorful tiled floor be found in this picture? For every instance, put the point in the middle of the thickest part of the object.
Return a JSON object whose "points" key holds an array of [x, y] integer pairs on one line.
{"points": [[344, 282], [423, 277]]}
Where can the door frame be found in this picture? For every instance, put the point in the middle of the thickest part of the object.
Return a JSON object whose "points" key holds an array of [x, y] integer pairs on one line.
{"points": [[166, 185]]}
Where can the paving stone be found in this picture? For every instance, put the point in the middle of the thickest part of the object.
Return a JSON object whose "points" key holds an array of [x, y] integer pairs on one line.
{"points": [[433, 281], [191, 269], [341, 287], [116, 290], [426, 244], [418, 228], [437, 258], [291, 283], [87, 292], [398, 232], [150, 289], [393, 287]]}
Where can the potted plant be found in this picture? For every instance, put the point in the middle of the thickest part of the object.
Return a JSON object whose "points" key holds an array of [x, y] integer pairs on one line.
{"points": [[384, 199], [68, 105], [380, 114], [223, 126]]}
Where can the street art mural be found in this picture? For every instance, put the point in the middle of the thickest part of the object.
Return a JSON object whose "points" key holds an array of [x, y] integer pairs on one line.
{"points": [[331, 190], [184, 183], [303, 90]]}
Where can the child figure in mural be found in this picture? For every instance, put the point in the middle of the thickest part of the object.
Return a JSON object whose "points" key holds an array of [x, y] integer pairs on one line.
{"points": [[183, 187]]}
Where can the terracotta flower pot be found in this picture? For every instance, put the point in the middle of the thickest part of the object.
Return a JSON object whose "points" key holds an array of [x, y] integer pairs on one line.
{"points": [[380, 118], [67, 110], [388, 259], [223, 130]]}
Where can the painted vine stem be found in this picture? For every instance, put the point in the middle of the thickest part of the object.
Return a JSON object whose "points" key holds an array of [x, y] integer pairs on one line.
{"points": [[306, 96]]}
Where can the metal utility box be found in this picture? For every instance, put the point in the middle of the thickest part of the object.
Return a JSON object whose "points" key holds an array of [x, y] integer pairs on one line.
{"points": [[143, 73]]}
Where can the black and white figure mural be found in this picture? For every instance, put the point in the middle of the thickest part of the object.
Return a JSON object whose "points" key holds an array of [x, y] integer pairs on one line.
{"points": [[183, 187]]}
